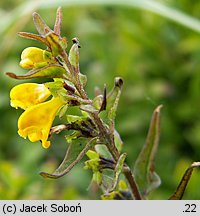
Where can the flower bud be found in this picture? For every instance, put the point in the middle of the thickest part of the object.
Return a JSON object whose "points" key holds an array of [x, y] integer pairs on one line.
{"points": [[33, 57]]}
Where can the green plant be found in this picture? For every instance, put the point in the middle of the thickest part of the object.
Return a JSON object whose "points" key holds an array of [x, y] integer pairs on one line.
{"points": [[91, 129]]}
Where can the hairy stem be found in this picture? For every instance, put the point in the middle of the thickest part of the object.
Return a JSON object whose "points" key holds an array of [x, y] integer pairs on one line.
{"points": [[113, 150], [104, 133], [130, 178], [77, 82]]}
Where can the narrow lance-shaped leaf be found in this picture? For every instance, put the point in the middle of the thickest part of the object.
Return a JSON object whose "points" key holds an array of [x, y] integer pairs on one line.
{"points": [[50, 71], [118, 170], [58, 21], [184, 181], [33, 37], [40, 25], [104, 100], [74, 54], [113, 98], [75, 152], [118, 141], [145, 176], [109, 114]]}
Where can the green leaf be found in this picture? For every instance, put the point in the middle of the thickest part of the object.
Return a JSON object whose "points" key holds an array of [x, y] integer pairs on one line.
{"points": [[97, 177], [56, 88], [33, 37], [109, 114], [113, 98], [56, 43], [97, 101], [73, 118], [184, 181], [118, 170], [103, 151], [50, 71], [118, 141], [75, 152], [92, 154], [83, 79], [74, 55], [145, 175], [58, 21], [88, 108], [40, 25]]}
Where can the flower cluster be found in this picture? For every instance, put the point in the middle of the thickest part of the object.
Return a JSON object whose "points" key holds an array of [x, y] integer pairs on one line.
{"points": [[36, 121], [92, 131], [42, 102]]}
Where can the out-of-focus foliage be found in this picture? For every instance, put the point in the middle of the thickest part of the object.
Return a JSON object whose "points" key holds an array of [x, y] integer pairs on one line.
{"points": [[160, 63]]}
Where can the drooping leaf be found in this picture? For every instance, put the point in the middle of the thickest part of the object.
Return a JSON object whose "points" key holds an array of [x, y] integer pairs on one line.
{"points": [[184, 181], [49, 71], [145, 176], [75, 152]]}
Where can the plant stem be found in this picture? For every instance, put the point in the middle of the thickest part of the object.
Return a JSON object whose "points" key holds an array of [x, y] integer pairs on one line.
{"points": [[115, 153], [104, 133], [77, 83], [131, 180]]}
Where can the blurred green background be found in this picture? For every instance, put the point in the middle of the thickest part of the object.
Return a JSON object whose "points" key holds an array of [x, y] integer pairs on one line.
{"points": [[159, 60]]}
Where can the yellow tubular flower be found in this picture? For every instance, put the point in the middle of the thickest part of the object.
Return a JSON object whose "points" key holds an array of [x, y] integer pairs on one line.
{"points": [[36, 121], [28, 94], [33, 57]]}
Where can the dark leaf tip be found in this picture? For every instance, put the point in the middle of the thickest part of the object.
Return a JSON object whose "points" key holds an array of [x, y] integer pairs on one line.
{"points": [[119, 82], [11, 75]]}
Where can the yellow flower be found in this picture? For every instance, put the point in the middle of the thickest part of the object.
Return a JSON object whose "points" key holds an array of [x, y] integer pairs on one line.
{"points": [[28, 94], [33, 57], [36, 121]]}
